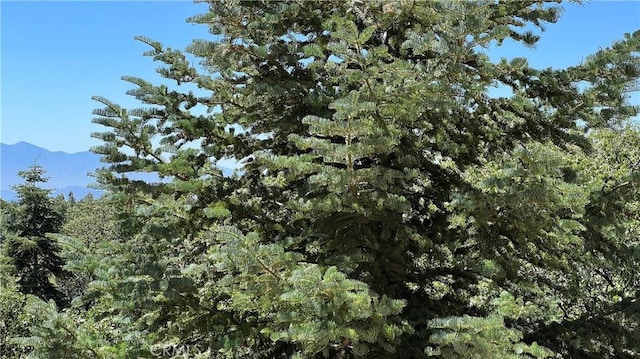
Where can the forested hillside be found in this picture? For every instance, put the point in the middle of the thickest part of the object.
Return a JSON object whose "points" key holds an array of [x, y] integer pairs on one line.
{"points": [[390, 204]]}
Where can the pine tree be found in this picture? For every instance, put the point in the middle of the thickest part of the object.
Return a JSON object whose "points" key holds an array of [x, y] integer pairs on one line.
{"points": [[13, 321], [71, 198], [34, 256], [389, 206]]}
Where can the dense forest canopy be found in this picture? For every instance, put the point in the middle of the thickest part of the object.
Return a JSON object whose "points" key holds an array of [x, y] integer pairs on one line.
{"points": [[388, 204]]}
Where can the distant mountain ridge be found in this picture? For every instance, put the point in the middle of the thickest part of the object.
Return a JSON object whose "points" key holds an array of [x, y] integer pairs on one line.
{"points": [[67, 172]]}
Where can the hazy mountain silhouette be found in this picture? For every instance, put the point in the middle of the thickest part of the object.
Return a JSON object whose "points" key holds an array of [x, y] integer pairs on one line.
{"points": [[67, 172]]}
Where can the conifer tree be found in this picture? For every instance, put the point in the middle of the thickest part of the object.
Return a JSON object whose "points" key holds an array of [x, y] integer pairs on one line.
{"points": [[71, 198], [33, 256], [15, 321], [388, 205], [91, 223]]}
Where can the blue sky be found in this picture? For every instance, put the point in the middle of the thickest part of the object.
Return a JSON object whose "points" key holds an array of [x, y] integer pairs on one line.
{"points": [[56, 55]]}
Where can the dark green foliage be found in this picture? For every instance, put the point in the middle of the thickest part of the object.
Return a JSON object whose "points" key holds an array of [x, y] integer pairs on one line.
{"points": [[36, 213], [33, 256], [15, 321], [71, 198], [389, 207]]}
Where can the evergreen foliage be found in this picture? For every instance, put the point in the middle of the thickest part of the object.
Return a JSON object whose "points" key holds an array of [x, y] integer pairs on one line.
{"points": [[33, 256], [15, 321], [388, 205], [91, 223]]}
